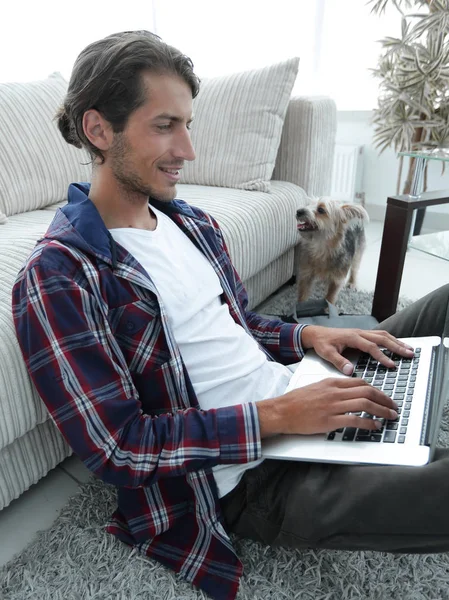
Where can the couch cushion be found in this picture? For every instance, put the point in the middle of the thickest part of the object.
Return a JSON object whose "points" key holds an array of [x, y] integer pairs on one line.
{"points": [[237, 127], [36, 163], [258, 227], [20, 406], [28, 458]]}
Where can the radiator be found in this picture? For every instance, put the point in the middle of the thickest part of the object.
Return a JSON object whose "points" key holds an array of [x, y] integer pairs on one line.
{"points": [[347, 174]]}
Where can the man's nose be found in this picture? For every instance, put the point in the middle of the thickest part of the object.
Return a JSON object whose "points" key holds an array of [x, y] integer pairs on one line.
{"points": [[184, 147]]}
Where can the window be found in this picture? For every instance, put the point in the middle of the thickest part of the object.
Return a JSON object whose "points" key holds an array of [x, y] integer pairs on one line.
{"points": [[348, 48], [335, 39]]}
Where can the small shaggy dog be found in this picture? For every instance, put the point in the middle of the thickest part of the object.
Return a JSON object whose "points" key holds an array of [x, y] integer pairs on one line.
{"points": [[332, 242]]}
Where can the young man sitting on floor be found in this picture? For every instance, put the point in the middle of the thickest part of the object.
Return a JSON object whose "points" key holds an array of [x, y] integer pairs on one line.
{"points": [[134, 328]]}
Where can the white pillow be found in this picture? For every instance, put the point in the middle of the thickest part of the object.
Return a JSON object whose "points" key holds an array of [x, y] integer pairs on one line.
{"points": [[36, 163], [237, 127]]}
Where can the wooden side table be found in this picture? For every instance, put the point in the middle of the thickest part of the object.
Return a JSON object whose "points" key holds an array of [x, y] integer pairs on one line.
{"points": [[396, 233]]}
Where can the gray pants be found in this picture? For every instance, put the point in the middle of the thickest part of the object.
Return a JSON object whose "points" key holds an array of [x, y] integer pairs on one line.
{"points": [[352, 507]]}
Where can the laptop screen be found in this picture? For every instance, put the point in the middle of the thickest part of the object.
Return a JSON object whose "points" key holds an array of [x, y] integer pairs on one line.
{"points": [[440, 395]]}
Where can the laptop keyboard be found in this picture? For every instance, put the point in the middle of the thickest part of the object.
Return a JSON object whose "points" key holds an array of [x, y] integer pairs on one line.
{"points": [[399, 384]]}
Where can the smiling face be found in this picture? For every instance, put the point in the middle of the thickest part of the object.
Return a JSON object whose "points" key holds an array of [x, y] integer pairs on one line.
{"points": [[146, 158], [311, 217], [321, 214]]}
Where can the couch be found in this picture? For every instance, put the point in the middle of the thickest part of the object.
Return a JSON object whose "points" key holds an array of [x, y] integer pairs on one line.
{"points": [[252, 188]]}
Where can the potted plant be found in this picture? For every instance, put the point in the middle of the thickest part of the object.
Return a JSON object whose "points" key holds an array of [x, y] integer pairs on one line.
{"points": [[413, 69]]}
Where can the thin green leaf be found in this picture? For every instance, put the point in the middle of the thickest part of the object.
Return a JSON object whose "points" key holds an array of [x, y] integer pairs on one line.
{"points": [[413, 75]]}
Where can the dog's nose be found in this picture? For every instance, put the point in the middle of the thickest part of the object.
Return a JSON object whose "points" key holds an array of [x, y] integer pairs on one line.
{"points": [[300, 213]]}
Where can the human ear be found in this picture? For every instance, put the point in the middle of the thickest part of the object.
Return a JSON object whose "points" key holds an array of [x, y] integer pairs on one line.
{"points": [[97, 130]]}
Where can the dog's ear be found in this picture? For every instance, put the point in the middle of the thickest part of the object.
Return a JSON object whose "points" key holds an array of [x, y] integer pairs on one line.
{"points": [[354, 211]]}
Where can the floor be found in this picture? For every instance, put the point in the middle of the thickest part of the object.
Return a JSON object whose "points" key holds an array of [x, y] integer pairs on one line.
{"points": [[37, 508]]}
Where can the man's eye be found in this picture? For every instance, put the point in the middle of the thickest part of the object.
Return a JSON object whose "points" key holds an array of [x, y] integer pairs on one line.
{"points": [[163, 127]]}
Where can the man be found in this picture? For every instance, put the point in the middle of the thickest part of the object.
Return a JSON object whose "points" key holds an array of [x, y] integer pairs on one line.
{"points": [[133, 325]]}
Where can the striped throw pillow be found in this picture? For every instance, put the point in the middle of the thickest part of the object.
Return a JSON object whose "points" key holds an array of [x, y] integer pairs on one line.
{"points": [[238, 121], [36, 163]]}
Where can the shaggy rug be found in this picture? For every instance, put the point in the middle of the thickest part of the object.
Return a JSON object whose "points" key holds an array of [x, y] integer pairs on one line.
{"points": [[349, 302], [76, 560]]}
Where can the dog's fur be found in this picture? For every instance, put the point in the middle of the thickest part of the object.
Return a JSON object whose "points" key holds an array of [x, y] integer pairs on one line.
{"points": [[332, 243]]}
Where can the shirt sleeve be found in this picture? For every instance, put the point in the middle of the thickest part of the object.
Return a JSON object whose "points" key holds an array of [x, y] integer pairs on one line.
{"points": [[282, 340], [80, 373]]}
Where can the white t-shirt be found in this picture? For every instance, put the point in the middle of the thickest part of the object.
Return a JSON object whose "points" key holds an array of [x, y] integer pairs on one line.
{"points": [[225, 364]]}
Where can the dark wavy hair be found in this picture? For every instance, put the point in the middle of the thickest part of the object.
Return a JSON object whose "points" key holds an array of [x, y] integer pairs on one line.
{"points": [[107, 77]]}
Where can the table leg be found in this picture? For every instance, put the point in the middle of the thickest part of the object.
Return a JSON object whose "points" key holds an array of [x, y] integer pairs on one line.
{"points": [[420, 214], [395, 236], [416, 190]]}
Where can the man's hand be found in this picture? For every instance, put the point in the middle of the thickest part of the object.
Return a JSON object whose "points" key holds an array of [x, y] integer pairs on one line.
{"points": [[323, 406], [330, 342]]}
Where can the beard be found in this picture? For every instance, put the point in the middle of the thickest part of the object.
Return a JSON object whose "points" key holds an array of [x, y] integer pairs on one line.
{"points": [[131, 182]]}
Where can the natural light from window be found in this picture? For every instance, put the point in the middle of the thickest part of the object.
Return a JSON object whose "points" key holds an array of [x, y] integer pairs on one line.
{"points": [[335, 39]]}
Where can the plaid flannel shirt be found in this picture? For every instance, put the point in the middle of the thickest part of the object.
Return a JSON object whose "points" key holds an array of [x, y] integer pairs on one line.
{"points": [[97, 344]]}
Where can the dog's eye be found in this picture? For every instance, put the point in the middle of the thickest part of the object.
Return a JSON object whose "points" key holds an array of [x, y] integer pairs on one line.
{"points": [[321, 210]]}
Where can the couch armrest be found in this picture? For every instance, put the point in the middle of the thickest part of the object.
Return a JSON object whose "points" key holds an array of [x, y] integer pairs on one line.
{"points": [[306, 151]]}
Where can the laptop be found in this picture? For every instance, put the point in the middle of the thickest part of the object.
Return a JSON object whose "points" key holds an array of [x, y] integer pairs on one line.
{"points": [[420, 387]]}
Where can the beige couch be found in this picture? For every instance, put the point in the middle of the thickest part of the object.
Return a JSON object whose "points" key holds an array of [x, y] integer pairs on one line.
{"points": [[36, 166]]}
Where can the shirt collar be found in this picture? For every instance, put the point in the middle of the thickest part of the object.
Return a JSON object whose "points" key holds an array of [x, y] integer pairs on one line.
{"points": [[80, 224]]}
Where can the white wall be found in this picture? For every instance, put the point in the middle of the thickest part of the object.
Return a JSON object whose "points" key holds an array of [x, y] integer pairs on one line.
{"points": [[380, 172], [39, 38]]}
